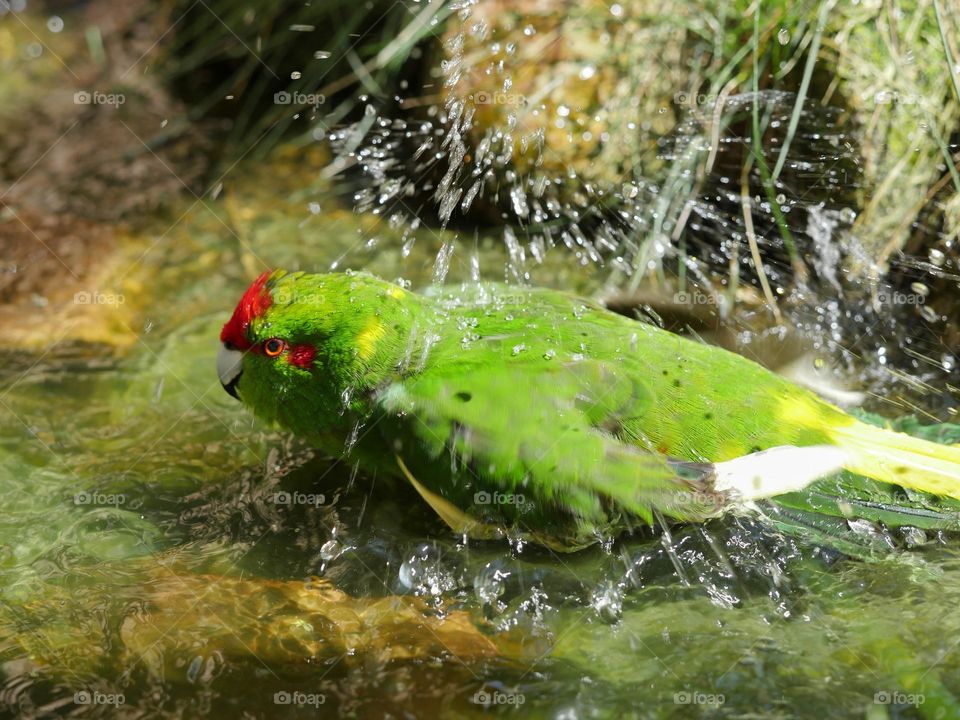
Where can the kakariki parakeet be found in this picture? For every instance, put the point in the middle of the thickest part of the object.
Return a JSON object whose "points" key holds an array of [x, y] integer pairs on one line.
{"points": [[531, 409]]}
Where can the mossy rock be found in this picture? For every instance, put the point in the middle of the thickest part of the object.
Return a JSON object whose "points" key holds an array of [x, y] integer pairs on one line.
{"points": [[86, 130], [584, 90], [66, 280]]}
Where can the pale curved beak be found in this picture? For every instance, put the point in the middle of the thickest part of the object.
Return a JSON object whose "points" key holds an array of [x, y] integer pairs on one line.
{"points": [[229, 368]]}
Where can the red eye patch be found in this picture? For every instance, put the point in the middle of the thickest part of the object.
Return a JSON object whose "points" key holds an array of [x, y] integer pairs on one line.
{"points": [[301, 355], [254, 303]]}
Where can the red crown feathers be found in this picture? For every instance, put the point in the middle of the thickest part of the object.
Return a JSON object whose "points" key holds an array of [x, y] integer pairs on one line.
{"points": [[254, 303]]}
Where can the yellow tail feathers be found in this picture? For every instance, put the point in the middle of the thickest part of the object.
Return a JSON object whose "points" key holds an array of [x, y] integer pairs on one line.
{"points": [[900, 459]]}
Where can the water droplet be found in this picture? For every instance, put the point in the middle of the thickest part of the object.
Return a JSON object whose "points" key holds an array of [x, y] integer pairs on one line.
{"points": [[488, 583], [296, 75], [321, 55], [914, 537], [409, 572], [783, 37], [424, 572], [549, 354], [330, 550], [442, 265], [55, 24], [517, 349], [607, 602], [193, 671]]}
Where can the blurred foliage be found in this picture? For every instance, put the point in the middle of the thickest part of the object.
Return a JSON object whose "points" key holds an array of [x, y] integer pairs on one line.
{"points": [[231, 60]]}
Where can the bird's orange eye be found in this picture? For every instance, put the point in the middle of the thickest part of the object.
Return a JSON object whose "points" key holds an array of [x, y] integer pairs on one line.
{"points": [[273, 347]]}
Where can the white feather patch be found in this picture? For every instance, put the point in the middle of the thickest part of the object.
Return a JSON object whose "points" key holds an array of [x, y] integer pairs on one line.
{"points": [[777, 471]]}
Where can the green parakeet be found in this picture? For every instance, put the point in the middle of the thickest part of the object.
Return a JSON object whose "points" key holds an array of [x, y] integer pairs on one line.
{"points": [[511, 407]]}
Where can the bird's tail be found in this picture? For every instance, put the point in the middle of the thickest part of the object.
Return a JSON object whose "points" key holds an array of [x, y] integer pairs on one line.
{"points": [[900, 459]]}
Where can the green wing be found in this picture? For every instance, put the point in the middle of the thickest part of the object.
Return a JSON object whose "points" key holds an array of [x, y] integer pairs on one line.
{"points": [[553, 436]]}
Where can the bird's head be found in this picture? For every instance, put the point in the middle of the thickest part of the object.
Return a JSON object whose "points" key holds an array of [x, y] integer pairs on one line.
{"points": [[297, 342]]}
